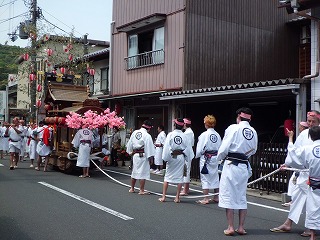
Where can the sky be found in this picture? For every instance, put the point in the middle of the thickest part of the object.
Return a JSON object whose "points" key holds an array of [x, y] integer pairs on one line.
{"points": [[59, 17]]}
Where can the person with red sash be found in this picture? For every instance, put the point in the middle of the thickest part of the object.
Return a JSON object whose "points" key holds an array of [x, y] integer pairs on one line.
{"points": [[44, 136]]}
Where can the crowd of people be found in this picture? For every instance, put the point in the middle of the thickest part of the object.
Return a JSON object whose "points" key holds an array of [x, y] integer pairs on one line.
{"points": [[176, 150]]}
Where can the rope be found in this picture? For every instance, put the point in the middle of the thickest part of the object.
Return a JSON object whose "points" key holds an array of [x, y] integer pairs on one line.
{"points": [[199, 196]]}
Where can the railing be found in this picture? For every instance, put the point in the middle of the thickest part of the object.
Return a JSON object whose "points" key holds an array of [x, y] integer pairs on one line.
{"points": [[144, 59], [268, 158]]}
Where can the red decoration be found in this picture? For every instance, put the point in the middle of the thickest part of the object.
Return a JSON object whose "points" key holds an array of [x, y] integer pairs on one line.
{"points": [[32, 77], [92, 71], [49, 51], [46, 37], [39, 88], [62, 120], [25, 56], [63, 70], [11, 78], [38, 103], [70, 57], [47, 119], [47, 107], [51, 120], [54, 72]]}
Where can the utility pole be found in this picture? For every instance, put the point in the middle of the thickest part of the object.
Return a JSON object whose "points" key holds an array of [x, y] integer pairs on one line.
{"points": [[33, 84]]}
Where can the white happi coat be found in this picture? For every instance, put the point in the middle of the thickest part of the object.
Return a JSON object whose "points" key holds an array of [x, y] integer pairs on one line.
{"points": [[299, 193], [33, 143], [42, 149], [161, 138], [14, 137], [308, 157], [4, 140], [23, 140], [176, 140], [209, 140], [190, 137], [82, 135], [238, 138], [141, 139]]}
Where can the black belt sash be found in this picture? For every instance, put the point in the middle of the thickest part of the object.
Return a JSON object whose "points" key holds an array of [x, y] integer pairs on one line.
{"points": [[13, 140], [85, 141], [175, 153], [237, 158], [314, 183], [209, 154]]}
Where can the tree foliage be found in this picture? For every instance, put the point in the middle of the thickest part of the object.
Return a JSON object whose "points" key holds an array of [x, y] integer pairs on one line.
{"points": [[8, 56]]}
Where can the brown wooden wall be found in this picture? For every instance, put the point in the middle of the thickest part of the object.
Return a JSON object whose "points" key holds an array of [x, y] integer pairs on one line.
{"points": [[238, 41], [156, 78]]}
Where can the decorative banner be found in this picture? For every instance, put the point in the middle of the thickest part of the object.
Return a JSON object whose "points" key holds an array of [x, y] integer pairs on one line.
{"points": [[25, 56], [49, 51], [38, 103], [39, 88], [32, 77]]}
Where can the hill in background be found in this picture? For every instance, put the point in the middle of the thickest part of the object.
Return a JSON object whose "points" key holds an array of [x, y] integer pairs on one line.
{"points": [[8, 56]]}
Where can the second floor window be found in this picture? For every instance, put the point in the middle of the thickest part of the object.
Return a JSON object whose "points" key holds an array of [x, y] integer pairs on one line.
{"points": [[104, 84], [146, 48]]}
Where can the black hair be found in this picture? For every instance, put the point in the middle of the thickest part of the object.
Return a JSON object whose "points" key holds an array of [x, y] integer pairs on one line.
{"points": [[161, 127], [147, 123], [314, 133], [178, 126], [246, 111]]}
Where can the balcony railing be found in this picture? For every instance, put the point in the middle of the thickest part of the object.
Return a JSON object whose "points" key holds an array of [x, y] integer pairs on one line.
{"points": [[144, 59]]}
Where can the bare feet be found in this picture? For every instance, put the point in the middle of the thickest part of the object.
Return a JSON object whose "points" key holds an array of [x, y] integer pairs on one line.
{"points": [[131, 190], [176, 200], [162, 199], [228, 232], [143, 193], [204, 201], [183, 193]]}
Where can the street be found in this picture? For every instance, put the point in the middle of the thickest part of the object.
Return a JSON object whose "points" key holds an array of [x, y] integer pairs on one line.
{"points": [[52, 205]]}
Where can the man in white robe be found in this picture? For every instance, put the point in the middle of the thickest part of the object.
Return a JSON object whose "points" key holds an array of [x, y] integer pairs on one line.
{"points": [[190, 137], [14, 134], [176, 152], [140, 146], [207, 149], [32, 143], [83, 140], [239, 143], [161, 138], [44, 137], [23, 139], [308, 157], [299, 194]]}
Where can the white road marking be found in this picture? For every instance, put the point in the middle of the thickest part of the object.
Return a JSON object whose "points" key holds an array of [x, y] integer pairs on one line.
{"points": [[93, 204], [195, 190], [1, 165]]}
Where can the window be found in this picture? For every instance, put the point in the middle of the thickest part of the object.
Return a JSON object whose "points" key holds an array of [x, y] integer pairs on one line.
{"points": [[104, 84], [145, 48]]}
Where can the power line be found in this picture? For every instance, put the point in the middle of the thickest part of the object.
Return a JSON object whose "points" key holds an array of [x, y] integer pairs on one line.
{"points": [[7, 3], [6, 20], [54, 25]]}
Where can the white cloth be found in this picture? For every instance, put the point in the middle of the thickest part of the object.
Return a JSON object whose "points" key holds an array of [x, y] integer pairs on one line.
{"points": [[308, 157], [23, 140], [238, 138], [176, 140], [79, 141], [161, 138], [190, 137], [299, 194], [33, 144], [209, 140], [4, 141], [141, 139], [42, 149]]}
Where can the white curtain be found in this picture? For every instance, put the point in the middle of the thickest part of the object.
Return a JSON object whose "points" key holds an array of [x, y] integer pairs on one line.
{"points": [[158, 44], [132, 50]]}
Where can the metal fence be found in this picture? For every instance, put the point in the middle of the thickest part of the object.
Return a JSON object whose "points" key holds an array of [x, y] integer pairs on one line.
{"points": [[268, 158]]}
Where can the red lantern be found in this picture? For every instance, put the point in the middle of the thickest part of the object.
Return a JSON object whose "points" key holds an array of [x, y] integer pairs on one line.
{"points": [[49, 51], [47, 119], [46, 37], [70, 57], [26, 56], [62, 120], [38, 103], [65, 49], [51, 120], [54, 72], [92, 71], [56, 119], [47, 107], [32, 77], [39, 88], [62, 70]]}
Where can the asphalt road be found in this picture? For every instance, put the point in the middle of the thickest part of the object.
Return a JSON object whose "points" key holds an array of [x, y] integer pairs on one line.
{"points": [[40, 205]]}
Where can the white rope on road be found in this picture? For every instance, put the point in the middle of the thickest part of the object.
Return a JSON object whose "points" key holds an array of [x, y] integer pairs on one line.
{"points": [[201, 196]]}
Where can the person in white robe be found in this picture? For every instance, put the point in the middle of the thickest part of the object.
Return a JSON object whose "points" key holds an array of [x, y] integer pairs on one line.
{"points": [[240, 141], [140, 147], [158, 161], [83, 140], [5, 139], [23, 139], [31, 135], [44, 135], [299, 194], [207, 149], [190, 136], [308, 157], [14, 134], [176, 152]]}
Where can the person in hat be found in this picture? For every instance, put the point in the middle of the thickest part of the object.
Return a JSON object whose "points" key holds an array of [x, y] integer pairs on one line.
{"points": [[190, 136], [176, 151], [240, 141], [140, 146], [207, 149]]}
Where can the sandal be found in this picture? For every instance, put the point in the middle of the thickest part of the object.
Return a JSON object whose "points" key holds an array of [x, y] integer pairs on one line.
{"points": [[82, 176]]}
